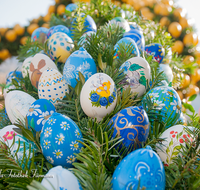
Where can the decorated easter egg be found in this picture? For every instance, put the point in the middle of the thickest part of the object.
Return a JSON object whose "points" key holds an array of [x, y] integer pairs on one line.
{"points": [[49, 33], [156, 50], [138, 37], [39, 112], [128, 44], [137, 75], [71, 7], [13, 75], [39, 34], [59, 140], [121, 22], [60, 45], [181, 119], [7, 88], [61, 28], [79, 61], [132, 125], [52, 86], [134, 25], [174, 137], [61, 179], [141, 168], [167, 72], [17, 104], [98, 96], [166, 102], [26, 66], [39, 63], [84, 38]]}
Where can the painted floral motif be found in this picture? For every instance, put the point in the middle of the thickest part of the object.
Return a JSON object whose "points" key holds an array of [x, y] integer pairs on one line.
{"points": [[59, 139], [34, 110], [44, 117], [9, 135], [74, 145], [51, 121], [77, 133], [58, 153], [70, 159], [64, 125], [47, 131], [176, 106], [46, 144], [50, 159]]}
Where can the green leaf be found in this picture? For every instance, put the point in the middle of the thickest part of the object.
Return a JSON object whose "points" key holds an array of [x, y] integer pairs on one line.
{"points": [[81, 77], [175, 153], [78, 88], [189, 107], [167, 150], [143, 80], [171, 142], [135, 67], [177, 147], [192, 97], [102, 65]]}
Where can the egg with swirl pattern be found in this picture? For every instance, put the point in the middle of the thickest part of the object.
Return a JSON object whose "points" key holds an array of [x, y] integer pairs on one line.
{"points": [[132, 124]]}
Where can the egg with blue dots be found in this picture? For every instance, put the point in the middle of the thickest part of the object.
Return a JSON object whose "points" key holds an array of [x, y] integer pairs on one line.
{"points": [[79, 61], [132, 125], [121, 22], [60, 45], [98, 96], [38, 113], [59, 140], [52, 86], [141, 168], [39, 35]]}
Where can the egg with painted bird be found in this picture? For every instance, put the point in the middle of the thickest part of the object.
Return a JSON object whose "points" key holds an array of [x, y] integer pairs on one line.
{"points": [[39, 112], [121, 22], [84, 38], [59, 140], [39, 35], [98, 96], [17, 104], [13, 75], [71, 7], [127, 44], [140, 169], [79, 61], [61, 179], [166, 103], [60, 45], [52, 86], [137, 75], [167, 72], [132, 125], [26, 66], [39, 64], [61, 28], [156, 50]]}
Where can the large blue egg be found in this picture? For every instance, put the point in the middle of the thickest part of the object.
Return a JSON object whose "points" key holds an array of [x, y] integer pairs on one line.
{"points": [[132, 124], [49, 33], [16, 75], [127, 42], [71, 7], [59, 140], [39, 34], [39, 112], [141, 168], [166, 103], [138, 37], [79, 61], [156, 50], [61, 28]]}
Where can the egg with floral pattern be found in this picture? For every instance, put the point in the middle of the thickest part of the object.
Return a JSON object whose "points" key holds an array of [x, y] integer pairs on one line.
{"points": [[39, 112], [59, 140], [98, 96], [52, 86]]}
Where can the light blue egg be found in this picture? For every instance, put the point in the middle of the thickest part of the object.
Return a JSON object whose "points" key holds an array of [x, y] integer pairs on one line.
{"points": [[39, 34], [13, 75], [59, 140], [121, 22], [61, 28], [141, 168], [79, 61], [71, 7], [49, 33], [133, 25]]}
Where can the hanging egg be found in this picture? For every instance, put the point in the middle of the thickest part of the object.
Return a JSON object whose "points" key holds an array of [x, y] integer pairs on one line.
{"points": [[141, 168], [174, 137], [98, 96], [39, 63], [17, 104], [39, 35], [167, 72], [60, 45], [49, 33], [39, 112], [138, 37], [79, 61], [26, 66], [84, 38], [52, 86], [71, 7], [61, 179], [128, 44], [61, 28], [132, 125], [156, 50], [59, 140], [166, 103], [13, 75], [121, 22], [137, 71]]}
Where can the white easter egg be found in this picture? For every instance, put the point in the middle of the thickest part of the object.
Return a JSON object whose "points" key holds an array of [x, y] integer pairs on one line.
{"points": [[17, 104], [137, 71], [52, 86], [98, 96], [174, 136], [167, 72], [8, 87], [39, 63], [26, 66]]}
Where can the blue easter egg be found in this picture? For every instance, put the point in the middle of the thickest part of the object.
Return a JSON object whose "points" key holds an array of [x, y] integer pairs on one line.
{"points": [[84, 38], [141, 168], [71, 7], [138, 37], [39, 34], [133, 25], [49, 33], [156, 50], [61, 28], [127, 42], [39, 112], [132, 124], [121, 22], [79, 61], [16, 75], [59, 140], [166, 102]]}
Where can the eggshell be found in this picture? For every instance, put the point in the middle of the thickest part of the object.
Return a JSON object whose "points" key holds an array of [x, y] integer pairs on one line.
{"points": [[17, 104], [121, 22], [8, 87], [26, 66], [39, 34], [98, 96], [52, 86]]}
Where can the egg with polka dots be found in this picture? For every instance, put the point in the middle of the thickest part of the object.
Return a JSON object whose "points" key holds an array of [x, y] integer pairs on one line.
{"points": [[52, 86], [60, 45]]}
